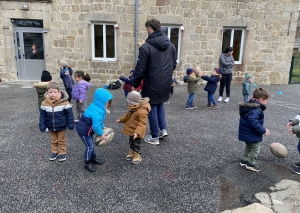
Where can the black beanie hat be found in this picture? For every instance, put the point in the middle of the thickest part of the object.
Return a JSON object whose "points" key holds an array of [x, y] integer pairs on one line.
{"points": [[46, 76]]}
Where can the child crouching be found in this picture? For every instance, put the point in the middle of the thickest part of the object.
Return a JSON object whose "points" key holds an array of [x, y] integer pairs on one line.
{"points": [[135, 122]]}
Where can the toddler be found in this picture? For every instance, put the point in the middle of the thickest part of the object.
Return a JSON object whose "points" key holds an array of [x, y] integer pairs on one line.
{"points": [[66, 73], [247, 87], [192, 77]]}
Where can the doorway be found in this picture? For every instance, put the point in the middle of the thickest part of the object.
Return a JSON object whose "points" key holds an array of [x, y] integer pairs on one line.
{"points": [[29, 49]]}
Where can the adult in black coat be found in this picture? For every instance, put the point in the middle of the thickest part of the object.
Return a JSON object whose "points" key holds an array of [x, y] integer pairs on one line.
{"points": [[155, 65]]}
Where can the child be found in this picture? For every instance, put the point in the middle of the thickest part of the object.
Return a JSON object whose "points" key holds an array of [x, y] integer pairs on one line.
{"points": [[192, 79], [128, 81], [66, 73], [41, 87], [92, 121], [79, 91], [135, 124], [247, 87], [56, 115], [211, 86], [251, 127], [294, 128]]}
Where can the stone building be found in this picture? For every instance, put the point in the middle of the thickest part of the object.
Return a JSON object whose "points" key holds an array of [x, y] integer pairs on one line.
{"points": [[100, 36]]}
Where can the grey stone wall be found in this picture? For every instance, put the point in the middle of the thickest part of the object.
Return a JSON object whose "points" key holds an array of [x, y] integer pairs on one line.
{"points": [[270, 34]]}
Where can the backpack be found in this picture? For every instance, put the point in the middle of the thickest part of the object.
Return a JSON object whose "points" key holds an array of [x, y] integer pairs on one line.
{"points": [[185, 78], [114, 85]]}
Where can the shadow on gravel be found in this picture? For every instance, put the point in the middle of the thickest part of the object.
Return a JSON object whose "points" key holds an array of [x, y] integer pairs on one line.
{"points": [[238, 186]]}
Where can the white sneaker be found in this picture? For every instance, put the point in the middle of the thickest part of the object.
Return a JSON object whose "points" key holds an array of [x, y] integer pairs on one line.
{"points": [[150, 140], [47, 130], [220, 98], [226, 100]]}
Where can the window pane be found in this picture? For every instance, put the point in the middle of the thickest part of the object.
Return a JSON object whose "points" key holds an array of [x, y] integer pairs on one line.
{"points": [[237, 38], [226, 38], [174, 37], [110, 41], [164, 30], [98, 38], [33, 45]]}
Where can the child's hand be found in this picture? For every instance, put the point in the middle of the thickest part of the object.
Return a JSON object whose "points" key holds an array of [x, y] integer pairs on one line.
{"points": [[103, 137], [134, 135], [118, 76], [80, 101], [203, 74], [289, 127], [118, 121], [267, 132]]}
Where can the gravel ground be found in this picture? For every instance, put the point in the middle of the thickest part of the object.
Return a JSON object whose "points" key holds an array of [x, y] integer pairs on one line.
{"points": [[194, 170]]}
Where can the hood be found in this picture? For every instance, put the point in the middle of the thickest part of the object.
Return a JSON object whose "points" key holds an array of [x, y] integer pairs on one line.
{"points": [[86, 83], [101, 97], [158, 40], [41, 84], [246, 107], [145, 104]]}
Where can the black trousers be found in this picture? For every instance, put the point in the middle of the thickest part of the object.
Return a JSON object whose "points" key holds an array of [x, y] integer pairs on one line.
{"points": [[69, 92], [135, 144], [225, 81]]}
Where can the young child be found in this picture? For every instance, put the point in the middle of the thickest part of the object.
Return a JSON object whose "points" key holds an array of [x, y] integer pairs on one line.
{"points": [[66, 73], [192, 79], [294, 128], [135, 122], [211, 86], [41, 87], [92, 121], [127, 87], [56, 115], [251, 127], [247, 87], [79, 92]]}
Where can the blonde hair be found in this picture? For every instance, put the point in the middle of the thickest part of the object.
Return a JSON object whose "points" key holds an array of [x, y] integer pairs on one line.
{"points": [[52, 85]]}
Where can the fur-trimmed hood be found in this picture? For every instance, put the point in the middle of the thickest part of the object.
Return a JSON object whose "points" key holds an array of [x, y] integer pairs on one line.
{"points": [[41, 84], [246, 107], [145, 104]]}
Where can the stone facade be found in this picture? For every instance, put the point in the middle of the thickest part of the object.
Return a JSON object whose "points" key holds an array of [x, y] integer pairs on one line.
{"points": [[270, 27]]}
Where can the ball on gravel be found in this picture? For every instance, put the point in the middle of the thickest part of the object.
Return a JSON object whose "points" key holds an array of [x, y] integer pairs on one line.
{"points": [[109, 132], [278, 150]]}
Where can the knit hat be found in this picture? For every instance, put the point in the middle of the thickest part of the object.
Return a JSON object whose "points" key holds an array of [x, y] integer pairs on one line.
{"points": [[134, 98], [63, 63], [46, 76], [247, 76], [132, 72], [189, 71]]}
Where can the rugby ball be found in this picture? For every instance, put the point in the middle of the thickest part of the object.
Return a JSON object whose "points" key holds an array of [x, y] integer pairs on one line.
{"points": [[109, 132], [279, 150]]}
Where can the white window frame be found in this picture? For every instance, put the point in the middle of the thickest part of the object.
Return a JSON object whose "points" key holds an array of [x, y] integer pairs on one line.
{"points": [[231, 41], [179, 39], [104, 58]]}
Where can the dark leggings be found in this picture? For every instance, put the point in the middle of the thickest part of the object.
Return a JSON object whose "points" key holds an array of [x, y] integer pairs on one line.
{"points": [[69, 92], [135, 144], [225, 80]]}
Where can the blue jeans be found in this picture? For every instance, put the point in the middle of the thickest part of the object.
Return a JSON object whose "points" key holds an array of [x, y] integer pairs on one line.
{"points": [[89, 146], [246, 98], [126, 93], [157, 119], [190, 99], [299, 147], [211, 98]]}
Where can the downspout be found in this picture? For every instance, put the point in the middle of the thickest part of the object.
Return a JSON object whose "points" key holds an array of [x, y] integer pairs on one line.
{"points": [[136, 31]]}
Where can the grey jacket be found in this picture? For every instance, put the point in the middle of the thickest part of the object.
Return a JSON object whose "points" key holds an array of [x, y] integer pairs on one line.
{"points": [[226, 62]]}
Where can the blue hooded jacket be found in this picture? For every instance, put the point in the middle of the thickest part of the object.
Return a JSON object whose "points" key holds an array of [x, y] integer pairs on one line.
{"points": [[92, 120]]}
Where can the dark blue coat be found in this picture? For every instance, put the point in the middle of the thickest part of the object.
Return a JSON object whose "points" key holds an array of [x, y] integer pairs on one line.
{"points": [[155, 65], [67, 79], [212, 83], [251, 127]]}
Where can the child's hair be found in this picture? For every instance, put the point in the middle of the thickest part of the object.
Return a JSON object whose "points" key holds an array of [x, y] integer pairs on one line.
{"points": [[85, 76], [52, 85], [261, 93]]}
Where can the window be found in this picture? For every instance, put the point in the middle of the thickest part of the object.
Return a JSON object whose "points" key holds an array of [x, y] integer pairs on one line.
{"points": [[104, 42], [234, 38], [174, 35]]}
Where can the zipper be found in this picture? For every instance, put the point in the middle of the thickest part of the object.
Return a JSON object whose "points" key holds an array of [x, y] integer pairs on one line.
{"points": [[53, 118]]}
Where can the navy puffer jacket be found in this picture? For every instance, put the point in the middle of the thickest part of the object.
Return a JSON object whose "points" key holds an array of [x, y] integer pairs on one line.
{"points": [[156, 63], [212, 83], [251, 127]]}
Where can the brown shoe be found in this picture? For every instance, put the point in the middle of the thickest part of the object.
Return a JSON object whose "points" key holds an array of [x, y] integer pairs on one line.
{"points": [[130, 155], [136, 158], [215, 106], [208, 105]]}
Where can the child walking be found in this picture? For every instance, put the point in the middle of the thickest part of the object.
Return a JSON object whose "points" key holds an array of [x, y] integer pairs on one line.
{"points": [[135, 122], [66, 73], [211, 86], [79, 91], [294, 128], [247, 86], [92, 121], [251, 127], [192, 79], [56, 115], [127, 87], [41, 87]]}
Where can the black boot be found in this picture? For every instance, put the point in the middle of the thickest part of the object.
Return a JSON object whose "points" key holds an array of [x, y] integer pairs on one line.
{"points": [[96, 161], [89, 166]]}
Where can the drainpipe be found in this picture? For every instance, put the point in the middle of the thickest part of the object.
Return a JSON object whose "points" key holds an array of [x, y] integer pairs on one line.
{"points": [[136, 31]]}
